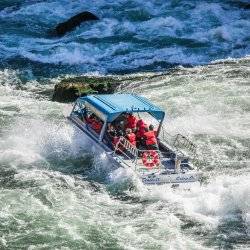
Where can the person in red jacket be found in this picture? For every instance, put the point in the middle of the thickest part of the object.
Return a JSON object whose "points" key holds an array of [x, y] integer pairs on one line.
{"points": [[151, 127], [115, 140], [96, 125], [131, 121], [150, 138], [130, 136], [89, 119], [140, 130]]}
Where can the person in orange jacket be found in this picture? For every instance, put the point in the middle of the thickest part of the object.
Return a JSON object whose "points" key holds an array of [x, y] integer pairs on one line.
{"points": [[130, 136], [131, 121], [150, 138]]}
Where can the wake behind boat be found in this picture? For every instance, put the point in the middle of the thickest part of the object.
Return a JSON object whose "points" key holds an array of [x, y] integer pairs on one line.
{"points": [[128, 128]]}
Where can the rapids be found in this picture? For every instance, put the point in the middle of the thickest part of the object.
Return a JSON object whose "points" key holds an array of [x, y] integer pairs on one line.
{"points": [[57, 191], [131, 35]]}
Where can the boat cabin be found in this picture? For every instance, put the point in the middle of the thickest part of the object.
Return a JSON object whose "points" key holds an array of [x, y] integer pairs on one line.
{"points": [[107, 114]]}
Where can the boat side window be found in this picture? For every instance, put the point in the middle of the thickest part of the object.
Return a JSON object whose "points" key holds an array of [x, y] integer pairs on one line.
{"points": [[79, 110], [86, 114], [93, 121]]}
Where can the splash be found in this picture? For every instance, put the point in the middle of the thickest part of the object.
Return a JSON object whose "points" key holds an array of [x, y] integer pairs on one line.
{"points": [[151, 36], [55, 184]]}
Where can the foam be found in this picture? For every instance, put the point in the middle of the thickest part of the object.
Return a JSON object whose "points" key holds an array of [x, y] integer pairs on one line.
{"points": [[208, 103], [173, 34], [222, 197]]}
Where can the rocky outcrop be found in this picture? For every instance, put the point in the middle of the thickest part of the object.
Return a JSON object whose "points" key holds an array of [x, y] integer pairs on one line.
{"points": [[62, 28], [68, 90]]}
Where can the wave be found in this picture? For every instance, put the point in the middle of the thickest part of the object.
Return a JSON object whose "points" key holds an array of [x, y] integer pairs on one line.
{"points": [[167, 34], [48, 169]]}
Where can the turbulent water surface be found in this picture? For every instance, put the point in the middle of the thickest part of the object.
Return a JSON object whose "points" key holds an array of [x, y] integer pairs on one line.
{"points": [[131, 35], [57, 191]]}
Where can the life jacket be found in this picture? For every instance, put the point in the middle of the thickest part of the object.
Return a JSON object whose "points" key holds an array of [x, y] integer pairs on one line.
{"points": [[131, 122], [139, 123], [97, 126], [131, 138], [141, 130], [89, 120], [150, 138]]}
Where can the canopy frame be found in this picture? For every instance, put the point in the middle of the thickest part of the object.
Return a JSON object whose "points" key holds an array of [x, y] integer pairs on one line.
{"points": [[109, 107]]}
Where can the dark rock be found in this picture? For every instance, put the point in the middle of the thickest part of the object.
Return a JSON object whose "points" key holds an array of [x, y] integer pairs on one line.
{"points": [[68, 90], [240, 4], [74, 21]]}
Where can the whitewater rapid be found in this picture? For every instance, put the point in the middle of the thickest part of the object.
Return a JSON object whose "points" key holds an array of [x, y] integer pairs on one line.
{"points": [[58, 192], [130, 36]]}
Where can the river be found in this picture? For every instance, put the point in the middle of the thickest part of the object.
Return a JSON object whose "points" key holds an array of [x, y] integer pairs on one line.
{"points": [[57, 192]]}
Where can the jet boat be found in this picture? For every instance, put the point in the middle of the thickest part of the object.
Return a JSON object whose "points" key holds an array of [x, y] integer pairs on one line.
{"points": [[169, 162]]}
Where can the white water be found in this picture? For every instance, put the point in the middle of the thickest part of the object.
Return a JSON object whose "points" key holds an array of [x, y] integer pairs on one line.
{"points": [[130, 35], [53, 186]]}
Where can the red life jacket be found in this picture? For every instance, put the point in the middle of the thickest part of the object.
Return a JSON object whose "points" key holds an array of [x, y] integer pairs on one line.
{"points": [[131, 138], [89, 120], [139, 123], [97, 126], [150, 138], [141, 130], [131, 122]]}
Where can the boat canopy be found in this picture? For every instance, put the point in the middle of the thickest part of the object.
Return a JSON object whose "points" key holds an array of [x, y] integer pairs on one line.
{"points": [[111, 106]]}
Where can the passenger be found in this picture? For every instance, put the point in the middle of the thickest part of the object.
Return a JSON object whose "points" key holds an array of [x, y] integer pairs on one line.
{"points": [[140, 129], [150, 138], [151, 127], [119, 122], [121, 126], [116, 140], [130, 136], [96, 125], [89, 119], [131, 121], [111, 130]]}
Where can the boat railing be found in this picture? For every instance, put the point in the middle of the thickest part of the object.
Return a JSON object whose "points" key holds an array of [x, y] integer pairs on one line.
{"points": [[130, 152], [179, 143], [127, 149]]}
